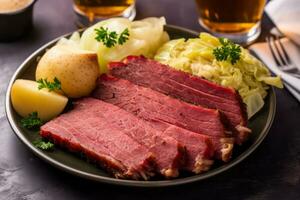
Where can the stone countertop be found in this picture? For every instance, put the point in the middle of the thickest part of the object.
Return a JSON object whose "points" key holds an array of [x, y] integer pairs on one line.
{"points": [[271, 172]]}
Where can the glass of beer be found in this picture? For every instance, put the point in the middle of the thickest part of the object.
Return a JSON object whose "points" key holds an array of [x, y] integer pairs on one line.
{"points": [[238, 20], [91, 11]]}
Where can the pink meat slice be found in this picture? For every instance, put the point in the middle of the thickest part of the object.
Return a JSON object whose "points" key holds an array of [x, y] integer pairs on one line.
{"points": [[167, 152], [192, 89], [151, 105], [108, 147], [199, 149], [147, 103]]}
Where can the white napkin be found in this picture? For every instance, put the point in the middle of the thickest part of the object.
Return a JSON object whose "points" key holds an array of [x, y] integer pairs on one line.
{"points": [[263, 52], [286, 16]]}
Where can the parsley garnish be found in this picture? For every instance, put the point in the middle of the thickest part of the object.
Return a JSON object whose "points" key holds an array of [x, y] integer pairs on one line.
{"points": [[43, 145], [228, 51], [44, 83], [32, 121], [110, 39], [123, 36]]}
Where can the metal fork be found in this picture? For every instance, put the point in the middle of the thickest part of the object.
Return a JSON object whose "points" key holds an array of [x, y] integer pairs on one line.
{"points": [[281, 57]]}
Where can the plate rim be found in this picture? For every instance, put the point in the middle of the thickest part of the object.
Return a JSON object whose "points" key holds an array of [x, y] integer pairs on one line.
{"points": [[115, 181]]}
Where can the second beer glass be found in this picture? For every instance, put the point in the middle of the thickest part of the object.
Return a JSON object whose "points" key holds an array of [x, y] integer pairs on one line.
{"points": [[91, 11], [238, 20]]}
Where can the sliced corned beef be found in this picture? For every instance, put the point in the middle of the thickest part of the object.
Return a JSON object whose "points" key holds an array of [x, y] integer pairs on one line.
{"points": [[112, 149], [192, 89], [199, 149], [168, 153], [151, 105]]}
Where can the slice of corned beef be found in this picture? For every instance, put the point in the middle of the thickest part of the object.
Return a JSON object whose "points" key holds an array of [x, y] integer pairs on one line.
{"points": [[107, 145], [168, 153], [152, 105], [192, 89], [199, 149]]}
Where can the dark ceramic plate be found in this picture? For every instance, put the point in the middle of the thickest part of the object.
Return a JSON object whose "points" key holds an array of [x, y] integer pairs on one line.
{"points": [[260, 125]]}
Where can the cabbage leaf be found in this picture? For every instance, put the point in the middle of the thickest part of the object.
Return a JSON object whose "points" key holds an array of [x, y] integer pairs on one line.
{"points": [[249, 76]]}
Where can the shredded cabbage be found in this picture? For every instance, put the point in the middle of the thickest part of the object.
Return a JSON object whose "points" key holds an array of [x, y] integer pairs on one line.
{"points": [[248, 76]]}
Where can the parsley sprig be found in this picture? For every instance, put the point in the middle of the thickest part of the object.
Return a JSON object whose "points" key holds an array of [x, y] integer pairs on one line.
{"points": [[124, 36], [111, 38], [32, 121], [47, 146], [51, 86], [227, 51]]}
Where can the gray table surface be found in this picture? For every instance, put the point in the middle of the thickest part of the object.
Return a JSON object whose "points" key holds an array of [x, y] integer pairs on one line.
{"points": [[271, 172]]}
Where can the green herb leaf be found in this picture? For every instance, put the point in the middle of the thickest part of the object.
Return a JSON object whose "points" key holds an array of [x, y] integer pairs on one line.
{"points": [[124, 36], [51, 86], [32, 121], [47, 146], [110, 39], [228, 51]]}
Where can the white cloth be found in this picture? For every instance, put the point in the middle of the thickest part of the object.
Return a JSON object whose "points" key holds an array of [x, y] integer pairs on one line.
{"points": [[263, 52], [286, 16]]}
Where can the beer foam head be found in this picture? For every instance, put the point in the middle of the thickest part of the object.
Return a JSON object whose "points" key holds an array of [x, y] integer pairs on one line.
{"points": [[13, 5]]}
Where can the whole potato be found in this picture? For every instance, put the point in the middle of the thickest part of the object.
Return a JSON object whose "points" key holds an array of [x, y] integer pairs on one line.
{"points": [[76, 69]]}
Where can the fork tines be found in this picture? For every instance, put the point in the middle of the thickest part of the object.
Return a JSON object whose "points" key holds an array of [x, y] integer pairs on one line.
{"points": [[278, 51], [281, 57]]}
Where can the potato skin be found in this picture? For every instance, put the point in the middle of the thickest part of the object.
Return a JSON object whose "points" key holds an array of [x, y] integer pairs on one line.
{"points": [[27, 98], [77, 70]]}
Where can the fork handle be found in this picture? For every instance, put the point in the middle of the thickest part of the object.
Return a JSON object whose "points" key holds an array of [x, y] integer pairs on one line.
{"points": [[291, 81], [293, 92]]}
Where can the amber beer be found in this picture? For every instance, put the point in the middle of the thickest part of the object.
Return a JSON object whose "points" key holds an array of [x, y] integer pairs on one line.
{"points": [[230, 16], [104, 8]]}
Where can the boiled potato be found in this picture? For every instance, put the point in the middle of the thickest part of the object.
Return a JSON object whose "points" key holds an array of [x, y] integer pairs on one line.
{"points": [[27, 98], [76, 69]]}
